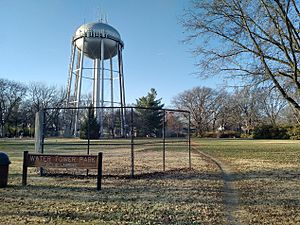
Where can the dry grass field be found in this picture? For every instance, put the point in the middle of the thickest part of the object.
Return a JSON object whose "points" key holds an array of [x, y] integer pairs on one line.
{"points": [[178, 196], [266, 174]]}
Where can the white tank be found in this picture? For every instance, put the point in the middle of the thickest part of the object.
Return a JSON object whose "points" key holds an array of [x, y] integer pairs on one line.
{"points": [[93, 33]]}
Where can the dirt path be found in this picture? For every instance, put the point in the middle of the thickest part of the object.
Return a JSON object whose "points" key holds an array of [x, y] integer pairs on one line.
{"points": [[230, 193]]}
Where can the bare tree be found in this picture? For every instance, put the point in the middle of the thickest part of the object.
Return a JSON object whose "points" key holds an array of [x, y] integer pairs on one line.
{"points": [[174, 124], [203, 104], [229, 115], [271, 105], [246, 110], [11, 95], [42, 96], [290, 116], [255, 40]]}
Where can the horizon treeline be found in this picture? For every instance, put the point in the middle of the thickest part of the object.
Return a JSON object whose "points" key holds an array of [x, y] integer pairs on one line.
{"points": [[241, 112]]}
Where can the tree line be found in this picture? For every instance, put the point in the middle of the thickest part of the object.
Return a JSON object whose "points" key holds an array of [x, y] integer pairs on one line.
{"points": [[214, 112], [242, 112], [19, 102]]}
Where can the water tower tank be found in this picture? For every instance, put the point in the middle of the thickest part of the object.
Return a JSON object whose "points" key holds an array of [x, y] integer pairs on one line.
{"points": [[93, 33]]}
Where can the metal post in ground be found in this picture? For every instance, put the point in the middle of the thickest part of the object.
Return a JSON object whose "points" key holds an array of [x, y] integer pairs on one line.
{"points": [[24, 174], [88, 130], [132, 143], [88, 135], [99, 174], [164, 141], [43, 129], [43, 119], [189, 142]]}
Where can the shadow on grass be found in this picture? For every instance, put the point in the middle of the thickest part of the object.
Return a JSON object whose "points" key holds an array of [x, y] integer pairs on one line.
{"points": [[179, 174], [71, 215], [278, 174], [270, 188]]}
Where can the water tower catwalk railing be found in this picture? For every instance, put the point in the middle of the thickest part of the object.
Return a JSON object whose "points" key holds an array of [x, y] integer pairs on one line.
{"points": [[144, 148]]}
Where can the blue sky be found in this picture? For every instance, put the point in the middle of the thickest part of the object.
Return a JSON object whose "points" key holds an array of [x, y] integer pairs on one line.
{"points": [[35, 42]]}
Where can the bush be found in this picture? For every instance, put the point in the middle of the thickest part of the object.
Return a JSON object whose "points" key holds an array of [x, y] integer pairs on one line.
{"points": [[294, 132], [270, 132], [209, 134], [244, 135], [229, 134]]}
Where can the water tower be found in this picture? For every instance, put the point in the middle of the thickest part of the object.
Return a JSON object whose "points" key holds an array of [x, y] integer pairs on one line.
{"points": [[96, 59]]}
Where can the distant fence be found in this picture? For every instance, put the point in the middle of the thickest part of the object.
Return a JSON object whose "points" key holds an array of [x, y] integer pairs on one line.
{"points": [[145, 140]]}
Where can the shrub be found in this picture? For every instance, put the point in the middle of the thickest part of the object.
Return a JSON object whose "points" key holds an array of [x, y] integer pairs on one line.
{"points": [[294, 132], [229, 134], [270, 132], [210, 134], [244, 135]]}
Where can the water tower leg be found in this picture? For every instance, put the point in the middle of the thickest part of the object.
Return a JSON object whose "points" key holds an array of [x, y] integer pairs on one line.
{"points": [[112, 98], [102, 88], [76, 76], [123, 100], [121, 90], [78, 93], [67, 116], [70, 75], [96, 91], [72, 124]]}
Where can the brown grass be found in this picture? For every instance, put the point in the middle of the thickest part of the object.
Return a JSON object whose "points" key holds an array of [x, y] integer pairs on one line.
{"points": [[267, 176], [178, 196]]}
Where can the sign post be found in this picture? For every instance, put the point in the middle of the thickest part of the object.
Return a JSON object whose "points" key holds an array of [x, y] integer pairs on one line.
{"points": [[99, 175], [24, 176]]}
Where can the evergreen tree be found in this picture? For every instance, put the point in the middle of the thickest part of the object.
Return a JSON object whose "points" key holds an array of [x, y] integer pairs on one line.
{"points": [[90, 126], [150, 119]]}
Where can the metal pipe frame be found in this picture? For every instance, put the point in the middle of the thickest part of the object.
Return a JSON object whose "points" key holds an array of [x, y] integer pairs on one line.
{"points": [[112, 97], [122, 92], [71, 65], [102, 77], [79, 89], [164, 140], [96, 84]]}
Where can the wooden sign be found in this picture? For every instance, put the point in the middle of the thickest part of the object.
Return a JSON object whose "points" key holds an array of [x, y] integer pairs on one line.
{"points": [[63, 161]]}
